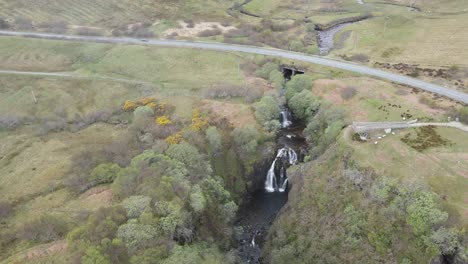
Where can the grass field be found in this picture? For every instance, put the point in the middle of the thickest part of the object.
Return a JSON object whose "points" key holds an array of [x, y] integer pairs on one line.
{"points": [[184, 69], [109, 13], [443, 168], [33, 167]]}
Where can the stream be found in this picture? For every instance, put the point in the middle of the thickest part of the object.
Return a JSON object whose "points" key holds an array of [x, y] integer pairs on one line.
{"points": [[325, 38], [257, 215]]}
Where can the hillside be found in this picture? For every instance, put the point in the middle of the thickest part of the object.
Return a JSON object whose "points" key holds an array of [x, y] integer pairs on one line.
{"points": [[114, 153]]}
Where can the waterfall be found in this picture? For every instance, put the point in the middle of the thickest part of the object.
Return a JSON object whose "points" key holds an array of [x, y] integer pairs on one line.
{"points": [[285, 118], [284, 186], [253, 241], [271, 183]]}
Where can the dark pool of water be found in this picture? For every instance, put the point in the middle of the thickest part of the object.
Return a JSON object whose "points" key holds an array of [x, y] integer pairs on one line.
{"points": [[257, 215]]}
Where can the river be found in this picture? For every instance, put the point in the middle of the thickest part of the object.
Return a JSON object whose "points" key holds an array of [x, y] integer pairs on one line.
{"points": [[257, 215]]}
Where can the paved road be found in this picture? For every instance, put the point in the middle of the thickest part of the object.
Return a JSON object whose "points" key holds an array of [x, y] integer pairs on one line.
{"points": [[450, 93], [361, 127]]}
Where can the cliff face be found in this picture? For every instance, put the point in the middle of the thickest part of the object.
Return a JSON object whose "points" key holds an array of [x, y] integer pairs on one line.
{"points": [[338, 212]]}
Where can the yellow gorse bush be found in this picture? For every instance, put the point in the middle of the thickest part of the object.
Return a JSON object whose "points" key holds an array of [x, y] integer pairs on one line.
{"points": [[174, 139], [145, 101], [198, 122], [129, 106], [163, 120]]}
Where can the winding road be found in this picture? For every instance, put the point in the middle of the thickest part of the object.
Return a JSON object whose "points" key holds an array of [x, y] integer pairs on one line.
{"points": [[347, 66]]}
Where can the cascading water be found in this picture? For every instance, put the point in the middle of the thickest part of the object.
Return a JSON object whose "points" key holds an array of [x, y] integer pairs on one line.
{"points": [[271, 183], [285, 118]]}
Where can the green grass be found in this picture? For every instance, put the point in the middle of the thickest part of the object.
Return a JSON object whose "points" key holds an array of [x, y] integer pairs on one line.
{"points": [[441, 168], [262, 7], [109, 13], [182, 69]]}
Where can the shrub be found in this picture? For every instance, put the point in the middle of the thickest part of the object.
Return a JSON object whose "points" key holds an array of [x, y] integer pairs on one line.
{"points": [[46, 228], [143, 111], [80, 169], [267, 109], [272, 126], [296, 85], [144, 33], [129, 106], [4, 24], [136, 205], [266, 69], [348, 92], [303, 105], [52, 125], [198, 121], [101, 224], [137, 236], [23, 24], [214, 138], [245, 139], [210, 32], [197, 199], [163, 121], [463, 115], [58, 27], [447, 240], [11, 122], [87, 31], [191, 158], [105, 173], [276, 78], [357, 57], [5, 209], [422, 212], [174, 139]]}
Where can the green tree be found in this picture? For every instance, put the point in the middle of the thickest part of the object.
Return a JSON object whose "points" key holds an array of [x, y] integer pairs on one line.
{"points": [[191, 158], [303, 105], [105, 173], [136, 205], [214, 138], [199, 253], [137, 236], [447, 240], [266, 69], [143, 111], [93, 255], [296, 85], [277, 79], [153, 255], [101, 224], [422, 212], [246, 139], [272, 126], [267, 109], [197, 199]]}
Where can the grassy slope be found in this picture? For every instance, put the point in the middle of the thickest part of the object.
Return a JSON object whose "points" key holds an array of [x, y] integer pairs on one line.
{"points": [[33, 166], [443, 168], [171, 68], [111, 12]]}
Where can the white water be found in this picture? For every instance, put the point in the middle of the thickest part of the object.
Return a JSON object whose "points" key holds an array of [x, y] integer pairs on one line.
{"points": [[284, 186], [271, 184], [285, 122]]}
